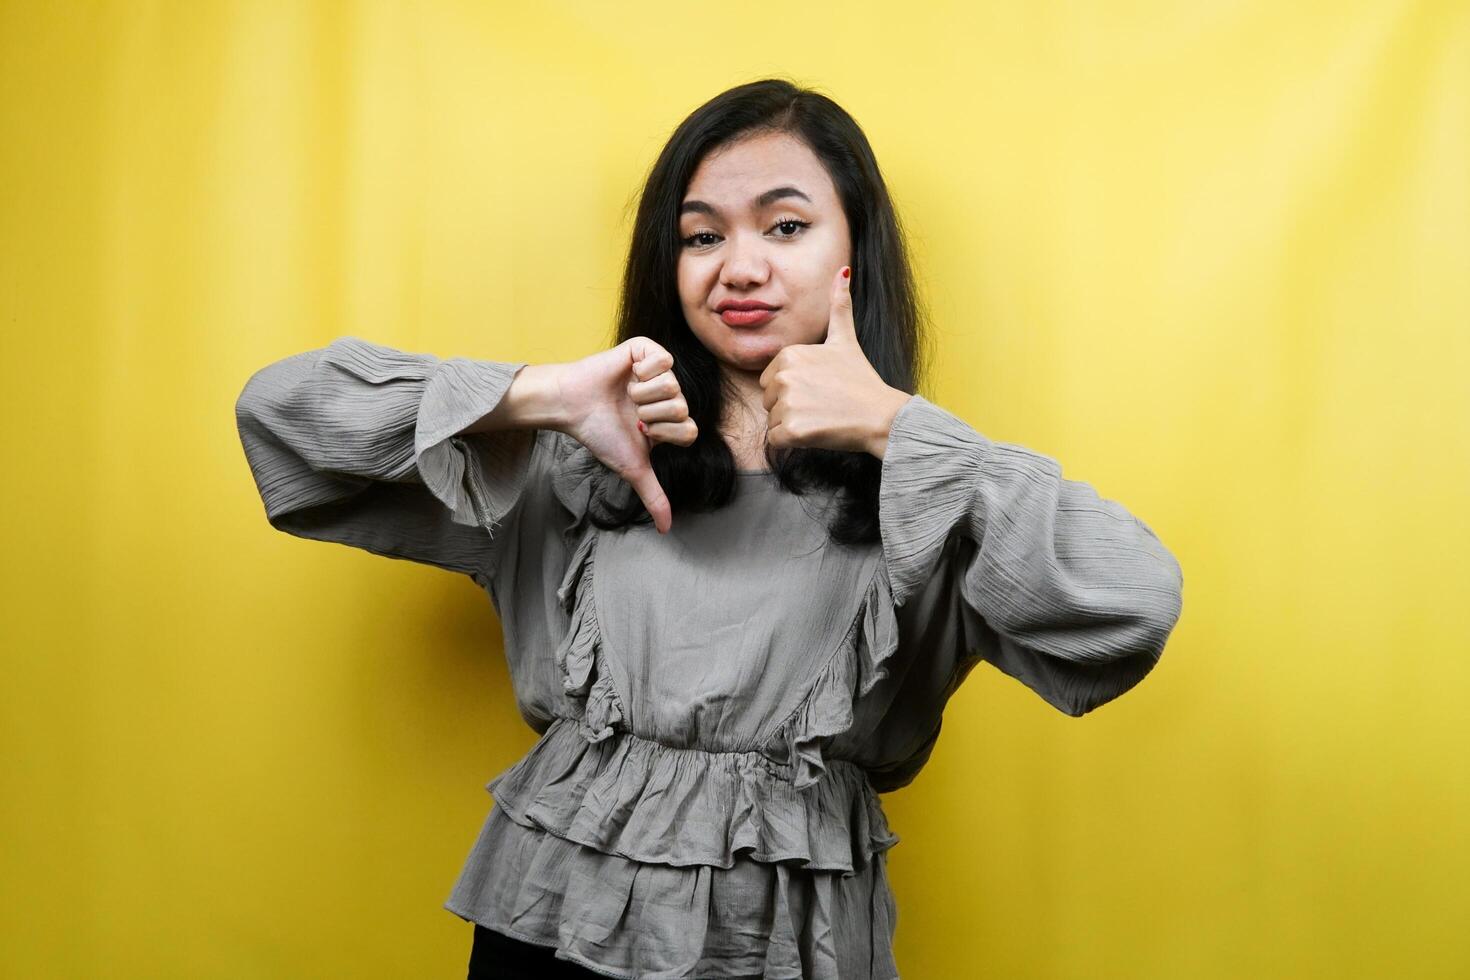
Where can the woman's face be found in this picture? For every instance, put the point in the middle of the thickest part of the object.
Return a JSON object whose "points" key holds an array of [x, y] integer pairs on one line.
{"points": [[760, 222]]}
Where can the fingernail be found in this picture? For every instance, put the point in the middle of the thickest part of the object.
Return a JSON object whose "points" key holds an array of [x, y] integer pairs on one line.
{"points": [[641, 426], [846, 272]]}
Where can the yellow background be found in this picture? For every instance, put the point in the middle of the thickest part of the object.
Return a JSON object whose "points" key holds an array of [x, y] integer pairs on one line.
{"points": [[1212, 256]]}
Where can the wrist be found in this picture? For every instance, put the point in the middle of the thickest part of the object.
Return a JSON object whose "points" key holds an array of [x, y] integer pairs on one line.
{"points": [[885, 411], [533, 401]]}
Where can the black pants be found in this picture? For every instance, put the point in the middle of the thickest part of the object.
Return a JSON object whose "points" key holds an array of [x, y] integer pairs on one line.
{"points": [[496, 956]]}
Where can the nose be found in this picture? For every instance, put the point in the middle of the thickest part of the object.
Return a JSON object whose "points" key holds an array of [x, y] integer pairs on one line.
{"points": [[746, 264]]}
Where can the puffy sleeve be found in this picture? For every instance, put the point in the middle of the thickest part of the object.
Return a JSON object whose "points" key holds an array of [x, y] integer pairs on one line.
{"points": [[996, 557], [356, 443]]}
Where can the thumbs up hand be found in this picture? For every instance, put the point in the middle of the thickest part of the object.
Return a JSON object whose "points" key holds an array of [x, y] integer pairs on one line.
{"points": [[828, 395]]}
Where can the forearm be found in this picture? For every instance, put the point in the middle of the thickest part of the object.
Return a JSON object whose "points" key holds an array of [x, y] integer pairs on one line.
{"points": [[355, 443], [533, 401], [1051, 565]]}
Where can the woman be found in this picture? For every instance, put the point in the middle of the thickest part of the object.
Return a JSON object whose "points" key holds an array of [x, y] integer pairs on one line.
{"points": [[740, 565]]}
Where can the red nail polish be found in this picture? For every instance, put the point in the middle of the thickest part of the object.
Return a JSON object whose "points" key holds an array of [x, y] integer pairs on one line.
{"points": [[642, 427], [846, 272]]}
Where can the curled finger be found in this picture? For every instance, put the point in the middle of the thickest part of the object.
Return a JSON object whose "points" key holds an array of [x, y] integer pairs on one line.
{"points": [[681, 433]]}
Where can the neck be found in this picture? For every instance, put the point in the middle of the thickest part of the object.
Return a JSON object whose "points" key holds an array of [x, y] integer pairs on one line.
{"points": [[744, 422]]}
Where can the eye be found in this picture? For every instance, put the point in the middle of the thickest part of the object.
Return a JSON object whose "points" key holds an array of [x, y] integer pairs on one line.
{"points": [[694, 239], [798, 226]]}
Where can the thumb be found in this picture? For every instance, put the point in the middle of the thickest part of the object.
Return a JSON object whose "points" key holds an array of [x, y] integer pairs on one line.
{"points": [[840, 326], [645, 483]]}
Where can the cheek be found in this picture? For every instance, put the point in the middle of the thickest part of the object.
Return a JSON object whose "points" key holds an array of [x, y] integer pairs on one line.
{"points": [[685, 282], [693, 283], [815, 309]]}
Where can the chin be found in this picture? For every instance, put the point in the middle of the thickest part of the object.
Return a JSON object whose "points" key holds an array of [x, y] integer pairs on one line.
{"points": [[751, 351]]}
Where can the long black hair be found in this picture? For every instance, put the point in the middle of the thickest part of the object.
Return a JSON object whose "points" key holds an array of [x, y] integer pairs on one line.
{"points": [[886, 308]]}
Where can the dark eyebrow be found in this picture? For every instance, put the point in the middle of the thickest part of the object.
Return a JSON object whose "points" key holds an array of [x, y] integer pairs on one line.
{"points": [[764, 200]]}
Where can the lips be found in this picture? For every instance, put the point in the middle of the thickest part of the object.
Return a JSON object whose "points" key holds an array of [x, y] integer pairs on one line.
{"points": [[745, 312], [734, 317]]}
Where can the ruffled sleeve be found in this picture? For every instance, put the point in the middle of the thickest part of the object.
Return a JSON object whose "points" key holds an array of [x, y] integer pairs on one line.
{"points": [[357, 443], [1004, 560]]}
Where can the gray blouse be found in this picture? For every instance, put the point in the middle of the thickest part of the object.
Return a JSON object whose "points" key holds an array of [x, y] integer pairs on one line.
{"points": [[719, 707]]}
